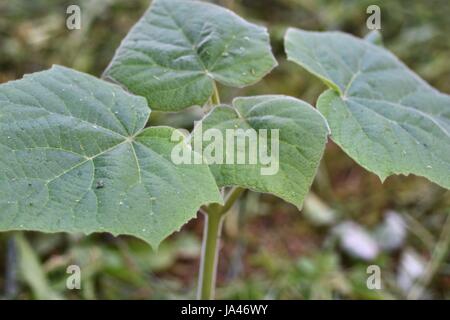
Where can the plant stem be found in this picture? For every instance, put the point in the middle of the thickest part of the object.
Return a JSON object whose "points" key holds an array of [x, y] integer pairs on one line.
{"points": [[232, 196], [211, 235], [208, 263], [215, 99], [214, 214]]}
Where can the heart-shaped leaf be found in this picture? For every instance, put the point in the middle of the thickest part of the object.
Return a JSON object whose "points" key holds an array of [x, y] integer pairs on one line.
{"points": [[176, 51], [299, 130], [381, 113], [74, 157]]}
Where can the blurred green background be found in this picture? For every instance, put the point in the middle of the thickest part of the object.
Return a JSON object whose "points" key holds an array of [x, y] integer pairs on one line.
{"points": [[270, 250]]}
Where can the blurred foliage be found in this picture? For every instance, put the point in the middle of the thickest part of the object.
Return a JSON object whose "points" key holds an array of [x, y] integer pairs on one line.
{"points": [[270, 250]]}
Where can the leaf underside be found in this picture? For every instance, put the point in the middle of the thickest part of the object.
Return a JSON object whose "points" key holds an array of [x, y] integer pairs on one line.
{"points": [[176, 51], [74, 157], [381, 113], [302, 137]]}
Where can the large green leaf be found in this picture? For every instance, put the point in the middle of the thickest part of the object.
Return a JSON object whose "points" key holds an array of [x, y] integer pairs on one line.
{"points": [[74, 157], [302, 134], [380, 112], [176, 51]]}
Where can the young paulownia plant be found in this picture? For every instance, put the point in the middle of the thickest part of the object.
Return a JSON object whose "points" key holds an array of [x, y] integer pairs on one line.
{"points": [[173, 57], [76, 156]]}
